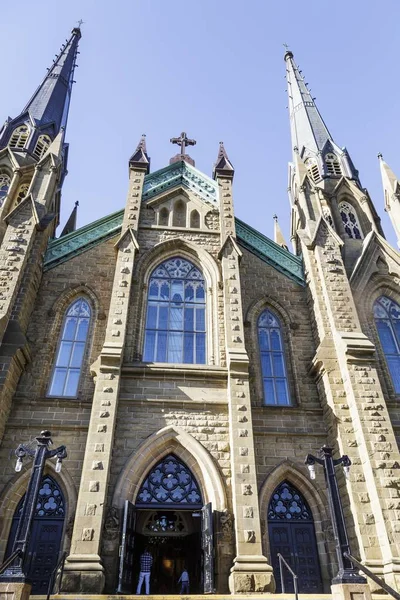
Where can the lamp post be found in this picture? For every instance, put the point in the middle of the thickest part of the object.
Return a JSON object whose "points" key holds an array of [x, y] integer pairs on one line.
{"points": [[346, 573], [16, 571]]}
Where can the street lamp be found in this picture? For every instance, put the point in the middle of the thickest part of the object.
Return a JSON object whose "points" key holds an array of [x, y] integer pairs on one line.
{"points": [[16, 571], [346, 573]]}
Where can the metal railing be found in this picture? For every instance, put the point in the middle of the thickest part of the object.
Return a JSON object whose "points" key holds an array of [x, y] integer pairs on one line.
{"points": [[10, 560], [52, 581], [372, 576], [282, 561]]}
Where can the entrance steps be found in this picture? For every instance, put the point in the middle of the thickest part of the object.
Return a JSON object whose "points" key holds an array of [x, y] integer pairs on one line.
{"points": [[257, 596]]}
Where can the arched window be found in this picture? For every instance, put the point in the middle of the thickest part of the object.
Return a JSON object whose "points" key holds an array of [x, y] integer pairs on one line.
{"points": [[4, 185], [179, 219], [350, 221], [328, 216], [333, 165], [41, 146], [273, 365], [163, 217], [23, 190], [194, 219], [313, 170], [19, 137], [71, 350], [176, 310], [170, 483], [387, 319]]}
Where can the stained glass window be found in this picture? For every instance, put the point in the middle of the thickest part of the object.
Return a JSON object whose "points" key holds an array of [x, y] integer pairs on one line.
{"points": [[4, 185], [287, 504], [176, 314], [273, 365], [350, 221], [387, 319], [170, 483], [71, 350], [50, 501]]}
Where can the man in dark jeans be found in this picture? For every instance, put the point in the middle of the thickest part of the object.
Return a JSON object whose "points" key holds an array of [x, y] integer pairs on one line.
{"points": [[184, 581], [146, 562]]}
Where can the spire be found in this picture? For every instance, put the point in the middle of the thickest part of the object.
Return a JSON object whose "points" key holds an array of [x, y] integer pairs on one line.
{"points": [[311, 138], [140, 158], [223, 165], [278, 235], [391, 190], [70, 225], [49, 105], [307, 126]]}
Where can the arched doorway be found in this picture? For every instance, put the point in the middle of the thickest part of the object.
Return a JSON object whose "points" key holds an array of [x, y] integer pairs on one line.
{"points": [[170, 521], [291, 533], [46, 534]]}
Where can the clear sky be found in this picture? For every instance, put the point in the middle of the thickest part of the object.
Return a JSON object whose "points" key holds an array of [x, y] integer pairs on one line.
{"points": [[214, 69]]}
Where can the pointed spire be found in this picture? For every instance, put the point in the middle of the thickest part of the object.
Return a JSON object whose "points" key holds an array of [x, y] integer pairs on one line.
{"points": [[70, 225], [391, 190], [223, 165], [49, 105], [140, 158], [278, 235]]}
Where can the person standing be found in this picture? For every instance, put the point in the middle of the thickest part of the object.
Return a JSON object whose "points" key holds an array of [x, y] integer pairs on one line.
{"points": [[184, 581], [146, 562]]}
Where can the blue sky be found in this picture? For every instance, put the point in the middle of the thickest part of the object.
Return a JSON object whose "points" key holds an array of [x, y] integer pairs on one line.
{"points": [[215, 70]]}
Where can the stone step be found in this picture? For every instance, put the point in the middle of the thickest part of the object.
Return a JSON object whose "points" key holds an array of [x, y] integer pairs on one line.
{"points": [[256, 596]]}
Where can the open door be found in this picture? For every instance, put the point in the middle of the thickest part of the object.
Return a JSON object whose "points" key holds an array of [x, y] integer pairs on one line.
{"points": [[125, 575], [207, 544]]}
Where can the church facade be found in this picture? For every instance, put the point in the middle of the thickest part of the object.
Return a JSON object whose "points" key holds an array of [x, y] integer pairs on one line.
{"points": [[189, 364]]}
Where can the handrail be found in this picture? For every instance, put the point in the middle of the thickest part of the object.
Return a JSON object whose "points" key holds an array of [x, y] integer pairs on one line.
{"points": [[52, 580], [372, 576], [296, 591], [10, 560]]}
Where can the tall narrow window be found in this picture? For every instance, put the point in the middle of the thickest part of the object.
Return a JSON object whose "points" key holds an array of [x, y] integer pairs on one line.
{"points": [[4, 185], [163, 216], [179, 218], [176, 311], [273, 365], [387, 319], [194, 219], [333, 165], [350, 221], [71, 350], [41, 146], [19, 137]]}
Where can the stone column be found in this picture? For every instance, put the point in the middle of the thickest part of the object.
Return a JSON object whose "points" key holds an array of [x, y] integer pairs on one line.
{"points": [[83, 569], [251, 571]]}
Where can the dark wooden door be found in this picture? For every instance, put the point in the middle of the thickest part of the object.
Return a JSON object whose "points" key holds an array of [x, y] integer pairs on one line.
{"points": [[296, 542], [207, 543], [126, 570]]}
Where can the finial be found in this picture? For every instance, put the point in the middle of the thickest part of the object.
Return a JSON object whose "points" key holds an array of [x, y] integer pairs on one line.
{"points": [[288, 52], [380, 155], [275, 217], [77, 204], [139, 158], [80, 22], [223, 166]]}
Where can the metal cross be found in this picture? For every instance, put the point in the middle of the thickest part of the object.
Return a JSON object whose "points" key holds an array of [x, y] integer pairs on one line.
{"points": [[183, 142], [80, 22], [286, 46]]}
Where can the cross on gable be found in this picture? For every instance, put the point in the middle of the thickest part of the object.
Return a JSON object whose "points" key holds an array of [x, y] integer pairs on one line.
{"points": [[183, 141]]}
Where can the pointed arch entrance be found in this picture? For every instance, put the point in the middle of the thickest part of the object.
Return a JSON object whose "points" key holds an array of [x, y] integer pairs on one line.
{"points": [[292, 534], [170, 520], [47, 529]]}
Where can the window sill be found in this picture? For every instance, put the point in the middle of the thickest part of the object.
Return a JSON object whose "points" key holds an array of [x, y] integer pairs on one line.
{"points": [[174, 370]]}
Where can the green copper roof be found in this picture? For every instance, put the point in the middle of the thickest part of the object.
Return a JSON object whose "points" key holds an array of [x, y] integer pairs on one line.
{"points": [[77, 242]]}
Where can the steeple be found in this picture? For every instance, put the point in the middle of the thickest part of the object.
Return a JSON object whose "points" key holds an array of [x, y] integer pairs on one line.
{"points": [[47, 111], [278, 235], [223, 165], [70, 225], [140, 158], [391, 190], [311, 138]]}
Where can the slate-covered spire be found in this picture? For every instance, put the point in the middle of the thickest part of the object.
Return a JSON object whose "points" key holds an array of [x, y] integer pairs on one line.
{"points": [[50, 103], [140, 158], [46, 113], [278, 235], [311, 138], [70, 225], [223, 165], [391, 190]]}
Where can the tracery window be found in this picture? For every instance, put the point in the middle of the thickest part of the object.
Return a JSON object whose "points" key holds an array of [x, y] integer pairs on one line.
{"points": [[71, 350], [287, 504], [350, 221], [273, 365], [313, 170], [50, 502], [387, 319], [165, 522], [333, 165], [42, 145], [170, 483], [19, 137], [176, 311], [23, 190], [4, 186]]}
